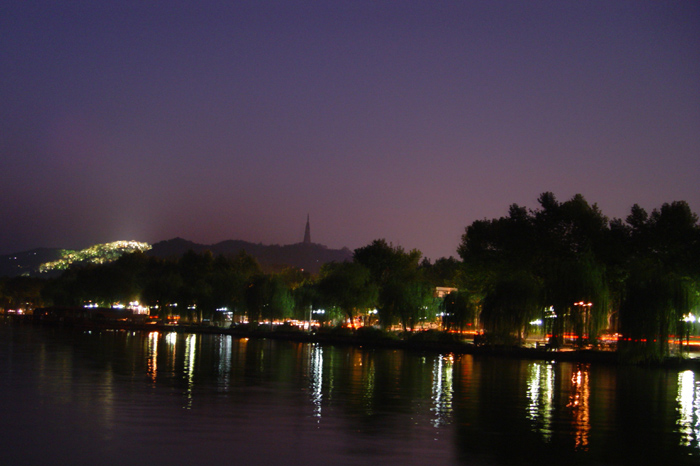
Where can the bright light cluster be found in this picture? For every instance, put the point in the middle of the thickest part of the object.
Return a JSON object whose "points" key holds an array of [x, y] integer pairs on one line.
{"points": [[137, 308], [96, 254]]}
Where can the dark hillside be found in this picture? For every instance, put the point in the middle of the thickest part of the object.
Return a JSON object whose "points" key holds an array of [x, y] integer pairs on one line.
{"points": [[307, 256], [27, 262]]}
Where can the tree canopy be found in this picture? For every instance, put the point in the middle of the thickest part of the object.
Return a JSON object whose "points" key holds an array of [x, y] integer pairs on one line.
{"points": [[570, 257]]}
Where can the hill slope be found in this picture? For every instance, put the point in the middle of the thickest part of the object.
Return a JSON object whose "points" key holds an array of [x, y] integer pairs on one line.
{"points": [[51, 261], [28, 262]]}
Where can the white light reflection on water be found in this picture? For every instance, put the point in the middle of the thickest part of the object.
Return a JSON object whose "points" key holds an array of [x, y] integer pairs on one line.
{"points": [[540, 393], [316, 377], [225, 361], [688, 400], [365, 371], [442, 389], [190, 353], [171, 338]]}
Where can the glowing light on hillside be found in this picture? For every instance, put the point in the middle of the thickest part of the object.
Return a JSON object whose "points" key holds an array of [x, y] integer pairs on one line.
{"points": [[96, 254]]}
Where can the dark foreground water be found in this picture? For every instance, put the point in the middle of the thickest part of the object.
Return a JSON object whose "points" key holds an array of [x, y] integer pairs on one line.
{"points": [[124, 398]]}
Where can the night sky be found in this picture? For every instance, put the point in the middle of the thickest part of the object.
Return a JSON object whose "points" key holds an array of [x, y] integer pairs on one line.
{"points": [[397, 120]]}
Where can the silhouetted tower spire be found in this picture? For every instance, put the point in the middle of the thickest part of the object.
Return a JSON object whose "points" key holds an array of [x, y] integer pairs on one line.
{"points": [[307, 232]]}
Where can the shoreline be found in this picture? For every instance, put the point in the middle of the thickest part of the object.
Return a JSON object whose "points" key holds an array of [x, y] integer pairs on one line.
{"points": [[337, 339]]}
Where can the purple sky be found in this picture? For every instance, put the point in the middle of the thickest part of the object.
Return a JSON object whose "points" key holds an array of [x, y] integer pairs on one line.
{"points": [[397, 120]]}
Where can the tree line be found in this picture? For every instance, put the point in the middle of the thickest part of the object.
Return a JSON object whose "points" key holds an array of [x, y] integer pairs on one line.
{"points": [[200, 287], [581, 273], [563, 265]]}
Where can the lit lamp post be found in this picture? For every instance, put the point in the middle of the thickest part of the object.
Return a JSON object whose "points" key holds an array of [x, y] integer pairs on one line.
{"points": [[586, 310], [537, 323], [550, 325], [318, 313], [689, 321]]}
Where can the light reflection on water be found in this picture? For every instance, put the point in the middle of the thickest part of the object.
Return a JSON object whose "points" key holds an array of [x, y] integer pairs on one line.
{"points": [[540, 393], [153, 355], [688, 400], [224, 361], [579, 405], [328, 405], [442, 389], [190, 353], [366, 368], [316, 377]]}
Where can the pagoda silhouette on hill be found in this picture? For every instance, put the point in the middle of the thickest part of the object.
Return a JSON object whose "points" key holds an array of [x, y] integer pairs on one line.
{"points": [[307, 232]]}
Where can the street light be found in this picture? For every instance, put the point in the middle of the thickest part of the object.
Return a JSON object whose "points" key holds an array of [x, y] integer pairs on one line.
{"points": [[586, 307], [689, 320]]}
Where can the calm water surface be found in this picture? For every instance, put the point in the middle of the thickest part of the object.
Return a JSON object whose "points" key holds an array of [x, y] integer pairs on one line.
{"points": [[117, 398]]}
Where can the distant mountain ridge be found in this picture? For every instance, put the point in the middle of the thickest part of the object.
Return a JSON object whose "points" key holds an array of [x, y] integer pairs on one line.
{"points": [[307, 256]]}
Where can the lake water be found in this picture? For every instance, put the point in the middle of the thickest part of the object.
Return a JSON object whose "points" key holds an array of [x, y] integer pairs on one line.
{"points": [[122, 398]]}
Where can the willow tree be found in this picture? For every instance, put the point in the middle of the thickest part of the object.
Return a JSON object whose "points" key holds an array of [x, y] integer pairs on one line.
{"points": [[268, 298], [578, 292], [559, 246], [405, 294], [653, 308], [407, 299], [648, 266], [510, 305], [664, 276], [459, 310], [347, 286]]}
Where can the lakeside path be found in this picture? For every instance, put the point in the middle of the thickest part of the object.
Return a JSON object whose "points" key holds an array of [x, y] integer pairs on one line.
{"points": [[339, 339]]}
